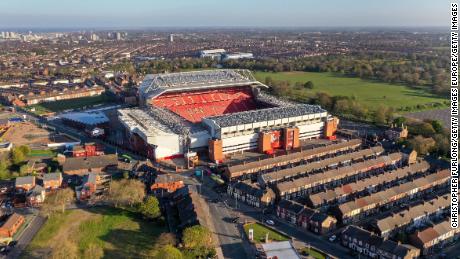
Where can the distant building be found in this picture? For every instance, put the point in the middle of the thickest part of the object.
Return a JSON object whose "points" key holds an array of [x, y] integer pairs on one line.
{"points": [[88, 149], [171, 37], [212, 53], [118, 36], [83, 120], [94, 37], [234, 56]]}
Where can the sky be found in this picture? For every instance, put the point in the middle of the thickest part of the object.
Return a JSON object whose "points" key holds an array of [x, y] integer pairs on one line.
{"points": [[227, 13]]}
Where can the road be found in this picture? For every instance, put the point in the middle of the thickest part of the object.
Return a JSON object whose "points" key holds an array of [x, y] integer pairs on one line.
{"points": [[229, 235], [232, 238], [300, 236]]}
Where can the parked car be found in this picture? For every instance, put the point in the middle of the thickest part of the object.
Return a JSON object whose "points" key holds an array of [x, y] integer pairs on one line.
{"points": [[270, 222], [333, 238]]}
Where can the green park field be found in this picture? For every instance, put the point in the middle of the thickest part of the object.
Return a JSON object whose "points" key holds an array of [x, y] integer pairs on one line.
{"points": [[260, 231], [105, 232], [77, 103], [367, 92]]}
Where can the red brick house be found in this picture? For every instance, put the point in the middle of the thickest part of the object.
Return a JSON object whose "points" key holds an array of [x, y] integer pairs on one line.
{"points": [[167, 183], [52, 181], [89, 149], [88, 188], [25, 183], [11, 226], [307, 218], [95, 164]]}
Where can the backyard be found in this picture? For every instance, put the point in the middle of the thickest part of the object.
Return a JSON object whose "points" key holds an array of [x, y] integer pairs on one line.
{"points": [[366, 92], [115, 233]]}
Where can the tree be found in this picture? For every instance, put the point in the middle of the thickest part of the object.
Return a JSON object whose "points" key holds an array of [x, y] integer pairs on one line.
{"points": [[422, 145], [309, 85], [56, 202], [197, 237], [421, 128], [437, 126], [17, 156], [4, 172], [442, 144], [150, 208], [23, 170], [169, 252], [126, 192], [380, 116], [399, 121], [324, 100], [25, 150], [341, 106], [383, 115]]}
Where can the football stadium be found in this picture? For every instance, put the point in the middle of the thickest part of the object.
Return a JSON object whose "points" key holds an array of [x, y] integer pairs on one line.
{"points": [[219, 112]]}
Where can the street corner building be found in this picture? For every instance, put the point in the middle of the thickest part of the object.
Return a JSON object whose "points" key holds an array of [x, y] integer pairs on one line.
{"points": [[219, 112]]}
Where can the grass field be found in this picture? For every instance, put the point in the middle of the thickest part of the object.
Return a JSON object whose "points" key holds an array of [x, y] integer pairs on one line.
{"points": [[260, 231], [367, 92], [42, 152], [59, 106], [312, 252], [119, 233]]}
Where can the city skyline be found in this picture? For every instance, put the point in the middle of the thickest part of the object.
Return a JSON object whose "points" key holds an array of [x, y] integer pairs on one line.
{"points": [[206, 13]]}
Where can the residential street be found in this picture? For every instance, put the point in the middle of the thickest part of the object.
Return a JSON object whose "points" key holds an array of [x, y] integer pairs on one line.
{"points": [[231, 237], [26, 237]]}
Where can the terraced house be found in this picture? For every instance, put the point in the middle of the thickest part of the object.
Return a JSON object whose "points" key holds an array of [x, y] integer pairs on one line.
{"points": [[309, 219], [412, 217], [251, 194], [437, 236], [334, 177], [373, 246], [356, 209]]}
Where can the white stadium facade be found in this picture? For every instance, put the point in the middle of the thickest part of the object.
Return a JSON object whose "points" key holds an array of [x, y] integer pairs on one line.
{"points": [[220, 112]]}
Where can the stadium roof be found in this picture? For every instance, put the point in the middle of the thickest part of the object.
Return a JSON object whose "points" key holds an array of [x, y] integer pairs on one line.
{"points": [[88, 118], [154, 85], [268, 114]]}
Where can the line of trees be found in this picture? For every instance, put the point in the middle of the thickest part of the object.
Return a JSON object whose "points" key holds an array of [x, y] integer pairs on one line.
{"points": [[430, 70], [426, 137], [413, 69]]}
